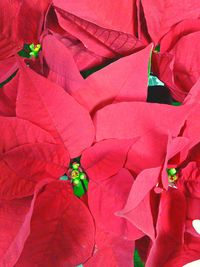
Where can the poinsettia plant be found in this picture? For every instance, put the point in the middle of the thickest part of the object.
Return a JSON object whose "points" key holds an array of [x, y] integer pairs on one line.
{"points": [[100, 135]]}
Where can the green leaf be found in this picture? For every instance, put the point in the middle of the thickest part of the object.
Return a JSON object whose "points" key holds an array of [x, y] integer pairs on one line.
{"points": [[25, 52], [175, 103], [85, 182], [149, 64], [153, 80], [157, 48], [137, 260], [81, 188]]}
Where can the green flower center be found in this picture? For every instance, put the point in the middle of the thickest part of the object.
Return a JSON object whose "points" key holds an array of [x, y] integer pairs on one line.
{"points": [[172, 175], [78, 179], [35, 49]]}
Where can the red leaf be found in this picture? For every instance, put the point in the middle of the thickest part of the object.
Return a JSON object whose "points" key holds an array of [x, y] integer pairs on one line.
{"points": [[107, 14], [27, 155], [121, 120], [107, 197], [175, 146], [162, 15], [105, 158], [31, 28], [84, 58], [10, 42], [12, 216], [24, 166], [100, 30], [15, 28], [141, 217], [102, 41], [148, 152], [143, 184], [108, 85], [170, 228], [56, 56], [16, 237], [16, 132], [188, 253], [186, 64], [62, 230], [183, 72], [54, 110], [8, 96], [7, 68], [111, 251], [163, 67], [179, 30]]}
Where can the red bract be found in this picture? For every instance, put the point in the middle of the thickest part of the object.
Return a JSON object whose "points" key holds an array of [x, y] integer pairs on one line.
{"points": [[150, 128], [27, 156], [42, 146], [55, 57], [8, 98], [109, 185], [13, 239], [178, 208], [83, 57], [103, 87], [56, 219], [12, 214], [15, 30], [62, 226], [141, 206], [111, 251], [108, 86], [10, 42], [137, 119], [177, 63], [20, 23], [102, 13], [7, 68], [55, 111], [33, 150], [99, 27], [48, 108], [170, 226], [162, 15]]}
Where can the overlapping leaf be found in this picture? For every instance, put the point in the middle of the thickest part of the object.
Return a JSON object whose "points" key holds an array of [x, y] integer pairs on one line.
{"points": [[54, 110]]}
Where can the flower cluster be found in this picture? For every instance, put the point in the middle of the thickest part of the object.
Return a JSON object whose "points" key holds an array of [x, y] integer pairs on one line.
{"points": [[97, 160]]}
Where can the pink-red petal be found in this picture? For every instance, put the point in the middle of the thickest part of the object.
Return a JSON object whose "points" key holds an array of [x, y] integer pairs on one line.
{"points": [[8, 96], [111, 251], [107, 197], [7, 68], [162, 15], [170, 228], [128, 120], [21, 226], [61, 65], [107, 14], [108, 85], [105, 158], [62, 230], [50, 107], [25, 165], [16, 132], [100, 40]]}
